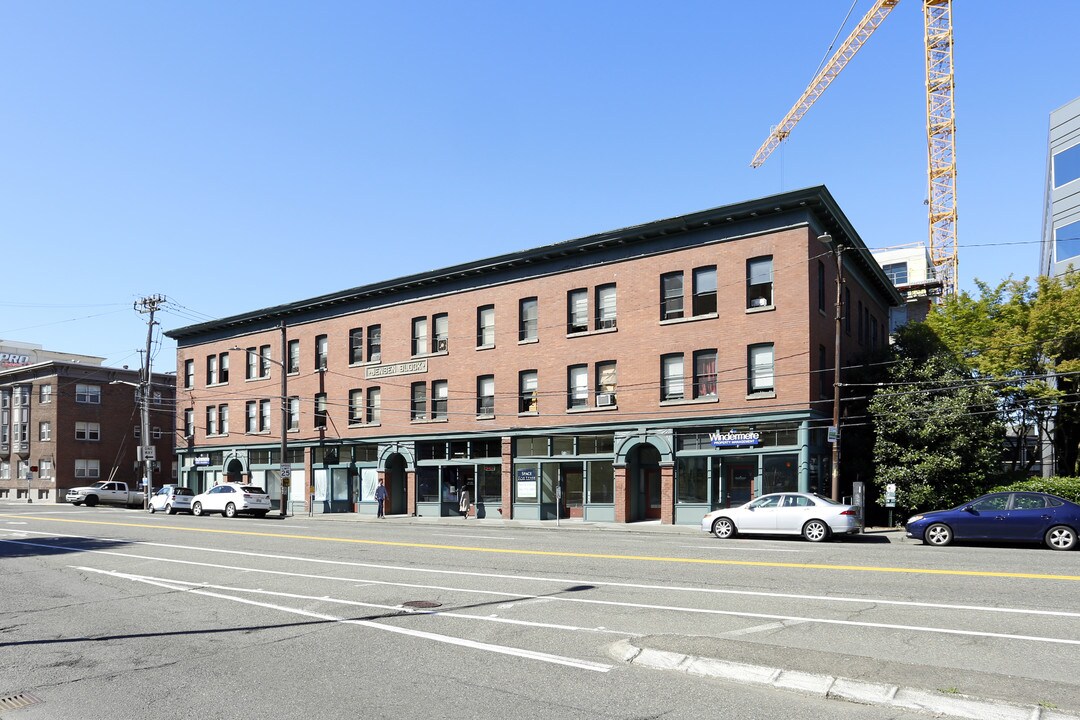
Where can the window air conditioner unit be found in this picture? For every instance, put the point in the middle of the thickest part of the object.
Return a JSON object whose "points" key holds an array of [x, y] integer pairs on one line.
{"points": [[605, 399], [607, 323], [440, 345]]}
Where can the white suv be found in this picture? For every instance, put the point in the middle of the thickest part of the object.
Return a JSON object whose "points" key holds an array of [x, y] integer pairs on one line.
{"points": [[231, 499]]}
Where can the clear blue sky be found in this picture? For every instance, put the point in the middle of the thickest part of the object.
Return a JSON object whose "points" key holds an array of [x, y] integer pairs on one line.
{"points": [[238, 155]]}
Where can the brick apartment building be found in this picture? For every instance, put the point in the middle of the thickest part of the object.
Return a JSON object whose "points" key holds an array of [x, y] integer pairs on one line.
{"points": [[71, 422], [657, 371]]}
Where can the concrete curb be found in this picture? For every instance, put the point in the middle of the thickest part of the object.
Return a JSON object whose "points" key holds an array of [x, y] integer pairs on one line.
{"points": [[835, 688]]}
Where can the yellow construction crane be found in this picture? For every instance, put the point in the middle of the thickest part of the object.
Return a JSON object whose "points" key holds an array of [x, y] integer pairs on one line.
{"points": [[940, 122]]}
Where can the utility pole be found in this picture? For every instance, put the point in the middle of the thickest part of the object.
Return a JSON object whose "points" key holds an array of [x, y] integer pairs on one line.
{"points": [[147, 451], [837, 249]]}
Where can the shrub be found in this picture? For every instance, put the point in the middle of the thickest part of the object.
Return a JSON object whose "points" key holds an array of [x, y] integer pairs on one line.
{"points": [[1063, 487]]}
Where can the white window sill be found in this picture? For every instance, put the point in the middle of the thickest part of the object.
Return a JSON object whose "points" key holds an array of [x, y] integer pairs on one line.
{"points": [[591, 409], [529, 413], [490, 416], [690, 401], [528, 341], [484, 347], [590, 333], [692, 318], [427, 421], [764, 395], [760, 308]]}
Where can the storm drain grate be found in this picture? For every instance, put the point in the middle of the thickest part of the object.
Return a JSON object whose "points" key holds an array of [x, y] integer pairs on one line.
{"points": [[421, 604], [15, 702]]}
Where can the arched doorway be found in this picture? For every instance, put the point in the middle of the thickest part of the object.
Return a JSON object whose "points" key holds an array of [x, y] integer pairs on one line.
{"points": [[643, 470], [234, 471], [395, 485]]}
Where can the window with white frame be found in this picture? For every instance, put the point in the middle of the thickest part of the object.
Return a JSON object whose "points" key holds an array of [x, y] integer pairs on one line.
{"points": [[45, 394], [223, 419], [577, 311], [896, 272], [356, 345], [577, 386], [760, 368], [264, 361], [189, 423], [418, 401], [293, 348], [223, 367], [211, 370], [528, 319], [44, 431], [322, 351], [606, 383], [88, 469], [527, 389], [356, 407], [189, 374], [374, 405], [671, 377], [419, 336], [374, 343], [485, 395], [485, 326], [45, 469], [252, 363], [705, 373], [89, 394], [704, 291], [320, 411], [440, 395], [440, 333], [264, 416], [671, 295], [294, 413], [88, 431], [605, 307], [211, 420], [759, 282], [251, 412]]}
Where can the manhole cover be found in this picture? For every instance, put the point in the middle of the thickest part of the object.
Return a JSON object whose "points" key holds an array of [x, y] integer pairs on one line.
{"points": [[421, 604], [14, 702]]}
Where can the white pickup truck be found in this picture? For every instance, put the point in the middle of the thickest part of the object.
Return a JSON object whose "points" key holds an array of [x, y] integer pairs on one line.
{"points": [[106, 493]]}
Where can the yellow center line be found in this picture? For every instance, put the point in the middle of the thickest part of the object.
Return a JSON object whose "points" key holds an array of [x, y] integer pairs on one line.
{"points": [[564, 554]]}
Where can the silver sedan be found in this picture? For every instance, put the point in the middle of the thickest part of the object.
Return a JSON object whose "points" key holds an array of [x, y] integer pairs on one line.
{"points": [[814, 517]]}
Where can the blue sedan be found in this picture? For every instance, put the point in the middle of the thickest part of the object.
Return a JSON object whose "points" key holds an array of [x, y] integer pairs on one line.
{"points": [[1009, 516]]}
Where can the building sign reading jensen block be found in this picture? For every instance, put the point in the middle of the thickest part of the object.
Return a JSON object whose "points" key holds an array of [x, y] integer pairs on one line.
{"points": [[412, 367], [732, 438]]}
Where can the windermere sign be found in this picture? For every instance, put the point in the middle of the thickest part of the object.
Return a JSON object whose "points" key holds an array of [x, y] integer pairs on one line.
{"points": [[734, 438], [413, 367]]}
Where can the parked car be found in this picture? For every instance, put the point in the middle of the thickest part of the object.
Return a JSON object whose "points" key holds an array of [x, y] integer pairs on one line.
{"points": [[172, 499], [106, 493], [814, 517], [1008, 516], [232, 499]]}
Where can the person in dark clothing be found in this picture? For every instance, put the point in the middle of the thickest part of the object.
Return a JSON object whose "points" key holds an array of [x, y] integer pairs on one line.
{"points": [[380, 496]]}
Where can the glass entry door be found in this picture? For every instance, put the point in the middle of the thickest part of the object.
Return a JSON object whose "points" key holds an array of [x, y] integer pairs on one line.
{"points": [[740, 484]]}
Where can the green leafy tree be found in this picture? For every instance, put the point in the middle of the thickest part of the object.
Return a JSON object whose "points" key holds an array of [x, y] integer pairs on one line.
{"points": [[938, 436], [1024, 342]]}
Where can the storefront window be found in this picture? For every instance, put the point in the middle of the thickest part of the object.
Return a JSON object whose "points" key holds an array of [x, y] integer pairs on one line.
{"points": [[427, 484], [596, 444], [781, 474], [562, 445], [531, 446], [601, 480], [489, 488], [526, 482], [692, 480]]}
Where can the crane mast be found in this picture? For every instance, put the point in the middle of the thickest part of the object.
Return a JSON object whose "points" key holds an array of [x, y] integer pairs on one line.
{"points": [[940, 122]]}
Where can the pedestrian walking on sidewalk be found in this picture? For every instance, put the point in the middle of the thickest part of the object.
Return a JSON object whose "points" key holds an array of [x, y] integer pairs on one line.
{"points": [[380, 496], [463, 504]]}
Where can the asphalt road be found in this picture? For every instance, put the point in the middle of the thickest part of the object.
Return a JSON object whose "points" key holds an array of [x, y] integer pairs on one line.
{"points": [[114, 614]]}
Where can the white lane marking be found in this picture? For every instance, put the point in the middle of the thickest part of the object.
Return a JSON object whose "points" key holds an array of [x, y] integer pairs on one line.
{"points": [[736, 547], [763, 628], [477, 537], [531, 578], [377, 606], [641, 606], [12, 522], [448, 639]]}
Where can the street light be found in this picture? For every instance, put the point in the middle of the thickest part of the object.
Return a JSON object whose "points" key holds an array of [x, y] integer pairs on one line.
{"points": [[837, 249], [285, 470]]}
